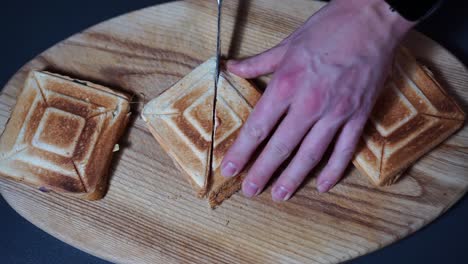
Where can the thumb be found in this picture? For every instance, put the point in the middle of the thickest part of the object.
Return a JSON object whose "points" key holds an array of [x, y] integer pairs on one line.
{"points": [[258, 65]]}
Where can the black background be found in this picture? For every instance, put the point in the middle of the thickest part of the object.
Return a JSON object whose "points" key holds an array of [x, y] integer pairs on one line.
{"points": [[29, 27]]}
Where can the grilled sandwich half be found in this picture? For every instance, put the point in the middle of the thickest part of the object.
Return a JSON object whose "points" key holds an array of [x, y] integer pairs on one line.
{"points": [[196, 130]]}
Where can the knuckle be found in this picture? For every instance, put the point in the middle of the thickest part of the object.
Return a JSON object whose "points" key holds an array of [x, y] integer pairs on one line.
{"points": [[347, 153], [359, 118], [280, 149], [286, 81], [357, 124], [286, 84], [253, 174], [291, 182], [337, 165], [257, 176], [310, 157], [311, 104], [330, 175], [345, 107], [255, 132]]}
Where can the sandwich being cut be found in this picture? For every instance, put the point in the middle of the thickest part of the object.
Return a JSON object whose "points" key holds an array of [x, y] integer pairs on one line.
{"points": [[196, 130], [61, 135], [413, 115]]}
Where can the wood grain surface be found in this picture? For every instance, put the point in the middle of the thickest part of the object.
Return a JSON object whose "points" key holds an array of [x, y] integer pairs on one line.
{"points": [[150, 214]]}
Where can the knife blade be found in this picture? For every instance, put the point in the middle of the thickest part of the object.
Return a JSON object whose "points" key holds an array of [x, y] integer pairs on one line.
{"points": [[218, 43], [216, 78]]}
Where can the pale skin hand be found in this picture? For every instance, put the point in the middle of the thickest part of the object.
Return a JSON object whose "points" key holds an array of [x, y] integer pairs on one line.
{"points": [[326, 78]]}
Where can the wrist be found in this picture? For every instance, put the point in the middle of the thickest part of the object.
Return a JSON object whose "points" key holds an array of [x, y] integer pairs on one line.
{"points": [[399, 24], [415, 10], [381, 15]]}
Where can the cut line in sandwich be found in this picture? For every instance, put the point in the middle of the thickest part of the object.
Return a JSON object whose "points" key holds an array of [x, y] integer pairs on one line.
{"points": [[441, 117], [41, 91], [165, 114], [213, 131], [382, 158], [13, 153], [98, 114], [79, 176]]}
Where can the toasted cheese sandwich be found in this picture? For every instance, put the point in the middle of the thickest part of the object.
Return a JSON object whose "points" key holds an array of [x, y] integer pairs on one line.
{"points": [[413, 115], [196, 130], [61, 135]]}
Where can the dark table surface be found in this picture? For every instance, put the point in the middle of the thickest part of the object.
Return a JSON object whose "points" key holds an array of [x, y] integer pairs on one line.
{"points": [[28, 27]]}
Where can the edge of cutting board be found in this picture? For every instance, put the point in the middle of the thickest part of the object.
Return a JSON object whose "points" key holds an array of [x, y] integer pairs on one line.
{"points": [[150, 215]]}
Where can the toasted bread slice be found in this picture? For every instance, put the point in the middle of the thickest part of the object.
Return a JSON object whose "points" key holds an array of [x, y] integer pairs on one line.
{"points": [[413, 115], [62, 133], [235, 100], [181, 120]]}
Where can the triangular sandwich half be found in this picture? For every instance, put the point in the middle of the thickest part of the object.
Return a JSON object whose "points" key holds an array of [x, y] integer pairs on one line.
{"points": [[182, 121]]}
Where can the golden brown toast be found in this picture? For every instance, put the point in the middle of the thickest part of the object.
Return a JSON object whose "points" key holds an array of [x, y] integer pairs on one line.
{"points": [[61, 135], [181, 119], [235, 99], [413, 115]]}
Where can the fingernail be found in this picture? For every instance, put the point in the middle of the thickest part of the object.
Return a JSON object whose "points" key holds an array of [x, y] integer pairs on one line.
{"points": [[229, 169], [250, 189], [324, 186], [281, 194]]}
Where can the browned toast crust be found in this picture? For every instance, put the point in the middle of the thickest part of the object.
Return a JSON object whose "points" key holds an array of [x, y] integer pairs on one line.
{"points": [[61, 135], [181, 120], [413, 115]]}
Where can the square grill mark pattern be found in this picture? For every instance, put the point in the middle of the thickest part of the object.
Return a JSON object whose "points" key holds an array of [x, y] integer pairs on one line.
{"points": [[181, 120], [400, 111], [199, 114], [185, 111], [412, 116], [58, 132], [194, 124], [60, 127], [227, 121]]}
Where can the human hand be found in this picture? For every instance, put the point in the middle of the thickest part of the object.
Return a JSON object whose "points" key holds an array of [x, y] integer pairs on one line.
{"points": [[327, 76]]}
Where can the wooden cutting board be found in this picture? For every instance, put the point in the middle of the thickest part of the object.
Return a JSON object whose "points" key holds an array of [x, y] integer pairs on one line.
{"points": [[150, 214]]}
